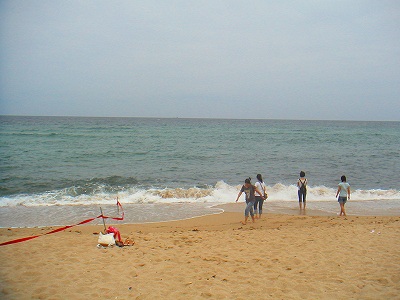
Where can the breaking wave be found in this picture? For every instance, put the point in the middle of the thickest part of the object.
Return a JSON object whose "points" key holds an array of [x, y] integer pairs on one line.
{"points": [[94, 193]]}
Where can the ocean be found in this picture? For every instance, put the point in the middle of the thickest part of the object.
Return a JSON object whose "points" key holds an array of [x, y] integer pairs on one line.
{"points": [[60, 170]]}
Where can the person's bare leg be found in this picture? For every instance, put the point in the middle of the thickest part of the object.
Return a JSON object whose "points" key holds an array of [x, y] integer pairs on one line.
{"points": [[342, 210]]}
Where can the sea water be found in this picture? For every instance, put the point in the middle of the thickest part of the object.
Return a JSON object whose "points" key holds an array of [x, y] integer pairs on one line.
{"points": [[58, 170]]}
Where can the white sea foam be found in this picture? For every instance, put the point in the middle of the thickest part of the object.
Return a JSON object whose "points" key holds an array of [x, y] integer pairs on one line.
{"points": [[220, 193]]}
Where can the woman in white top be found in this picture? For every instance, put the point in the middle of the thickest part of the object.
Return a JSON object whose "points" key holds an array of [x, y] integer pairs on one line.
{"points": [[260, 185], [343, 192]]}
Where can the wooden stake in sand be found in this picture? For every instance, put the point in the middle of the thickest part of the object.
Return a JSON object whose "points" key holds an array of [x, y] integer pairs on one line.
{"points": [[104, 223]]}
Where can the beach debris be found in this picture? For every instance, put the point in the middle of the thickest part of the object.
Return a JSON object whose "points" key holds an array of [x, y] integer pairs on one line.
{"points": [[115, 232], [373, 231], [206, 295], [106, 240], [129, 242]]}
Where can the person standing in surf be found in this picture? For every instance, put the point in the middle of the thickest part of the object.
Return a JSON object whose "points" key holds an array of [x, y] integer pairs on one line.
{"points": [[259, 200], [343, 192], [302, 190], [249, 191]]}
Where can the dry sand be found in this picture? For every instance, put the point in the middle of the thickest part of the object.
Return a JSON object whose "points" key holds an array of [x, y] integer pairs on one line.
{"points": [[211, 257]]}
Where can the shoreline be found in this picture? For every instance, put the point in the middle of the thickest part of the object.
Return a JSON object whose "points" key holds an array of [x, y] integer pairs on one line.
{"points": [[42, 216], [323, 208]]}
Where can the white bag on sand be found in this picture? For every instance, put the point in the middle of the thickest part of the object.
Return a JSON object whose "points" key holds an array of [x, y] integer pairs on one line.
{"points": [[106, 240]]}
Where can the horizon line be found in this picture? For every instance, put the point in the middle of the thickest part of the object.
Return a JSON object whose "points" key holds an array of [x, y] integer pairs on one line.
{"points": [[195, 118]]}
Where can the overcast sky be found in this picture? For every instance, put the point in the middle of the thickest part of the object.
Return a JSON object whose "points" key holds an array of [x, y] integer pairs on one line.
{"points": [[214, 59]]}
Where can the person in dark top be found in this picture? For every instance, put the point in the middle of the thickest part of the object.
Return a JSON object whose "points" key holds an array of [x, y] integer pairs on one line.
{"points": [[302, 190]]}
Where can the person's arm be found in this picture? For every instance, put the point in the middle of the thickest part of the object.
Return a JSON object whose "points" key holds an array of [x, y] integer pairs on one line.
{"points": [[238, 196], [338, 190], [348, 192], [264, 190]]}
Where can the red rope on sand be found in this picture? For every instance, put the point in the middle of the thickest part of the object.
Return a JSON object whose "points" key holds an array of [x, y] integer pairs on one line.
{"points": [[19, 240], [66, 227]]}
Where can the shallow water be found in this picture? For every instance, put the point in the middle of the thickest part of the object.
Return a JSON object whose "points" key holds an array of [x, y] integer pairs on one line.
{"points": [[149, 213]]}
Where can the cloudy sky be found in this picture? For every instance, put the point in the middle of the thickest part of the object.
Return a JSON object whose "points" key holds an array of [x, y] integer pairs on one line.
{"points": [[192, 58]]}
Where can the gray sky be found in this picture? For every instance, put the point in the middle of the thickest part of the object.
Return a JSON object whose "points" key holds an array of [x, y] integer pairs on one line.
{"points": [[215, 59]]}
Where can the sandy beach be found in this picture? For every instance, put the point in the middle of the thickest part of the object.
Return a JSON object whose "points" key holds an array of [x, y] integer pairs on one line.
{"points": [[210, 257]]}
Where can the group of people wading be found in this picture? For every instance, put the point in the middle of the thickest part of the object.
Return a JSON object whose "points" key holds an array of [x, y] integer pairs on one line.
{"points": [[256, 195]]}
